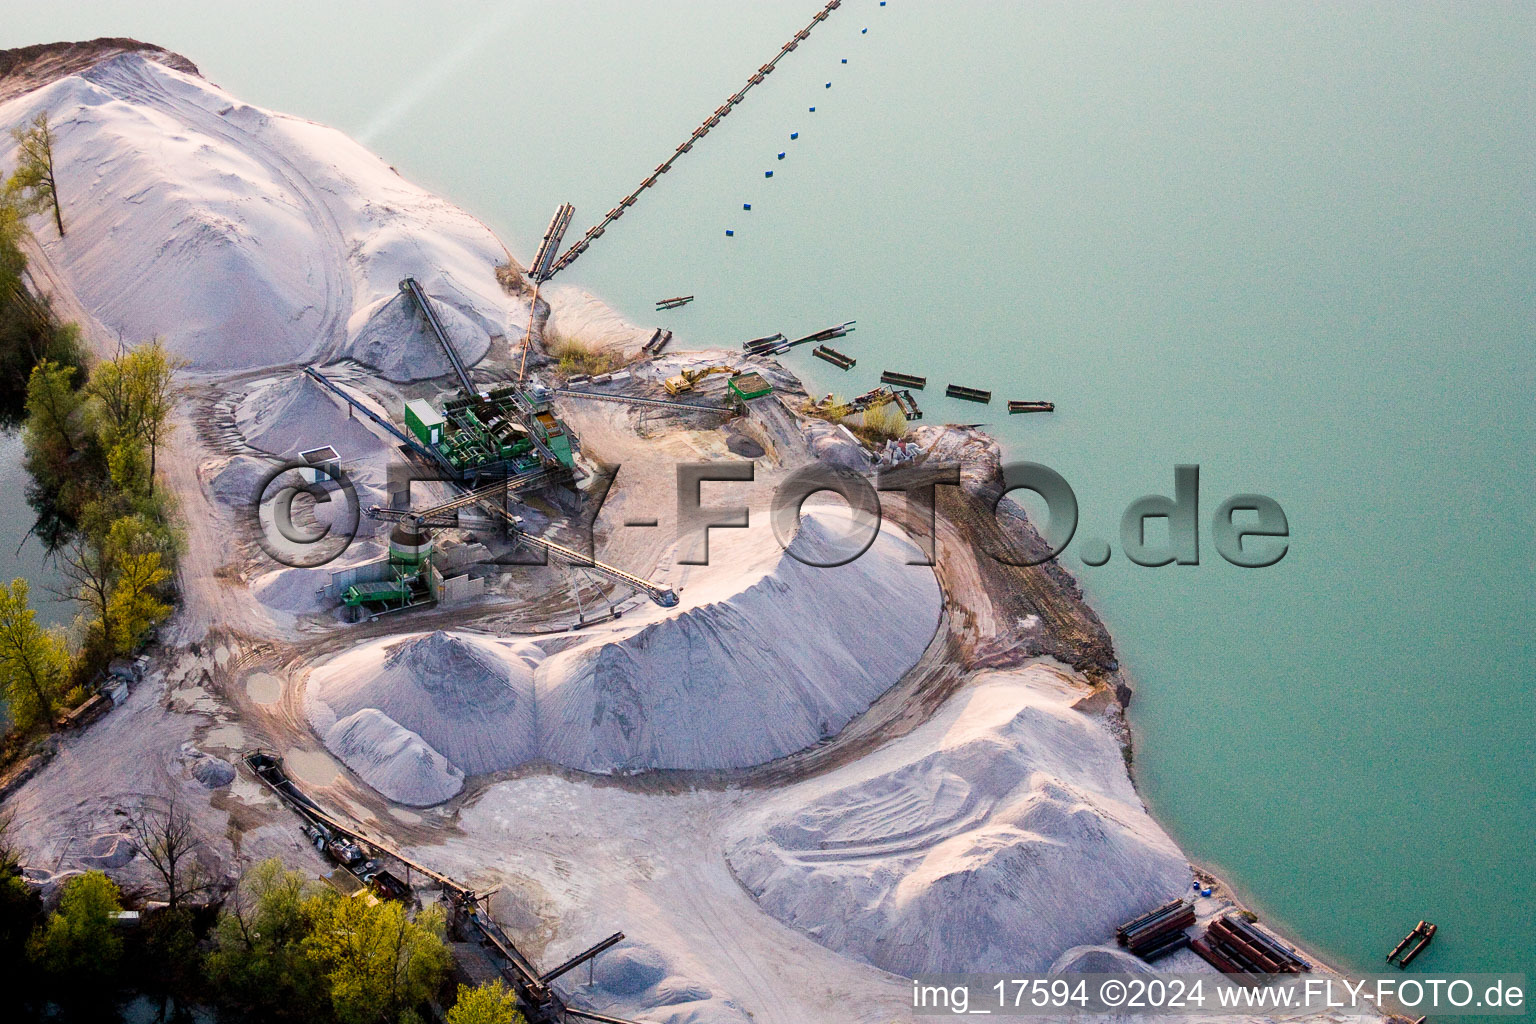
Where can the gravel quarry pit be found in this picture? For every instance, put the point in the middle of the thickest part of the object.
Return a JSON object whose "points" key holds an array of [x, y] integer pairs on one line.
{"points": [[660, 773]]}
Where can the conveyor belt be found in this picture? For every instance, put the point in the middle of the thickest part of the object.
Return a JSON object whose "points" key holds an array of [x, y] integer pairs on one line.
{"points": [[276, 778], [411, 288], [654, 403], [659, 593], [430, 454], [702, 130]]}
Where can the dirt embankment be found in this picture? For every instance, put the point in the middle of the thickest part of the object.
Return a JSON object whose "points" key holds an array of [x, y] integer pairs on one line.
{"points": [[30, 67]]}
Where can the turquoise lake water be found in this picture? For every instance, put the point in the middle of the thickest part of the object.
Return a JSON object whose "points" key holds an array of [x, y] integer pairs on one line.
{"points": [[21, 555], [1293, 245]]}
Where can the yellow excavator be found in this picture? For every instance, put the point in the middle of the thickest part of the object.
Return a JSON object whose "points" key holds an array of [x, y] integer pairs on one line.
{"points": [[688, 379]]}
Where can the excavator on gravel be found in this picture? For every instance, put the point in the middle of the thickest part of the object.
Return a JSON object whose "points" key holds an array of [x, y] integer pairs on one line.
{"points": [[686, 381]]}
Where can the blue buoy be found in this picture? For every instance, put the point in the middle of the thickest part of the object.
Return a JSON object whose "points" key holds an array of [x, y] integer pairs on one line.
{"points": [[1205, 892], [1197, 886], [767, 174], [845, 60], [794, 135], [829, 85], [729, 233], [781, 156], [746, 206], [863, 31], [813, 110]]}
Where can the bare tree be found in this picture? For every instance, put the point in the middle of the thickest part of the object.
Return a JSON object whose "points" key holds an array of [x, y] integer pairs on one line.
{"points": [[170, 842]]}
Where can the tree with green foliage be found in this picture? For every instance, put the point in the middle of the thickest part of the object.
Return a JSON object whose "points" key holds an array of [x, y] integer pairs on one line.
{"points": [[33, 179], [34, 662], [259, 962], [490, 1003], [79, 943], [55, 419], [29, 332], [151, 370], [115, 567], [132, 398], [116, 413], [134, 608], [88, 569], [380, 963]]}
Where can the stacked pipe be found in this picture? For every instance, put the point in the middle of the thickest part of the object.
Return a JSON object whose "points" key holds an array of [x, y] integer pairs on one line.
{"points": [[766, 345], [1234, 946], [826, 333], [1159, 932]]}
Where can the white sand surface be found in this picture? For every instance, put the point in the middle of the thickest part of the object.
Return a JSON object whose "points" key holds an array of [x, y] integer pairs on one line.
{"points": [[248, 238], [765, 656], [994, 837], [1006, 824]]}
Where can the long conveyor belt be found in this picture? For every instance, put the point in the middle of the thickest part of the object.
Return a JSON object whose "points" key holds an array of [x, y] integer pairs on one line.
{"points": [[654, 403], [657, 592], [411, 288]]}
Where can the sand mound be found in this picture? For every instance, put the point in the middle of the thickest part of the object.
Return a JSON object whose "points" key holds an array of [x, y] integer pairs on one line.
{"points": [[295, 591], [1100, 960], [469, 697], [995, 837], [236, 482], [722, 681], [749, 675], [579, 315], [212, 772], [294, 414], [393, 760], [392, 337], [245, 238], [639, 975]]}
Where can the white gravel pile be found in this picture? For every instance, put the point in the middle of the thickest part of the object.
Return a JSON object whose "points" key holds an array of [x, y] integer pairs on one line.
{"points": [[392, 337], [244, 237], [469, 697], [393, 760], [995, 837], [741, 673], [770, 657], [292, 414]]}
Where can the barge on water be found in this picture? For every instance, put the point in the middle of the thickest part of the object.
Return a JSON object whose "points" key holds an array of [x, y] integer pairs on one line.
{"points": [[833, 356], [1413, 944], [968, 394], [657, 343], [1016, 407], [904, 380], [767, 345], [674, 302]]}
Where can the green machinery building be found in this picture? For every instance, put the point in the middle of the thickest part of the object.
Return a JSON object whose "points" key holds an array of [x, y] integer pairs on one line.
{"points": [[500, 430]]}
